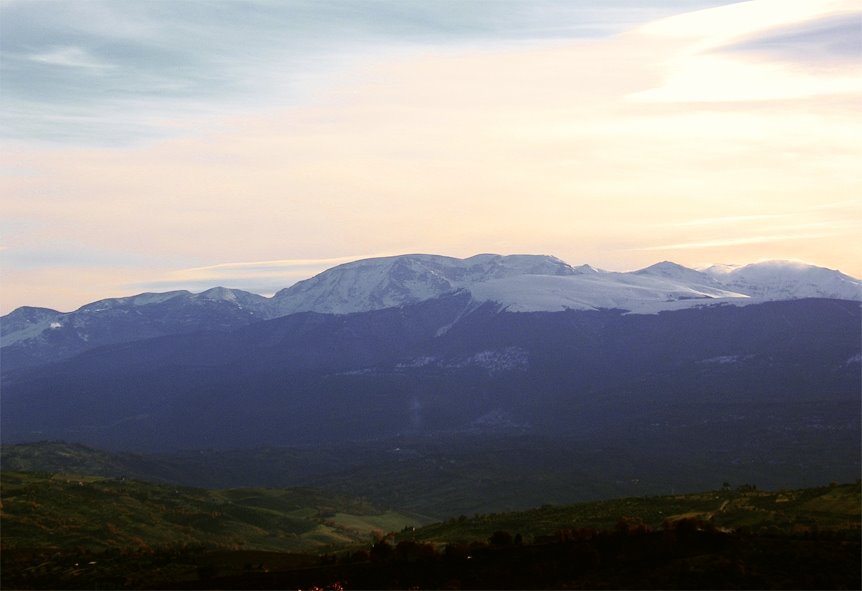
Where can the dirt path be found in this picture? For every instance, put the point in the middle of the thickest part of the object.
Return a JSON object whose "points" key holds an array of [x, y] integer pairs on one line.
{"points": [[721, 509]]}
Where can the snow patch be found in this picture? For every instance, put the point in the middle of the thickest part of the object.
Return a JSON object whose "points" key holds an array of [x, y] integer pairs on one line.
{"points": [[787, 280], [496, 361], [625, 291], [497, 420], [417, 362], [721, 360]]}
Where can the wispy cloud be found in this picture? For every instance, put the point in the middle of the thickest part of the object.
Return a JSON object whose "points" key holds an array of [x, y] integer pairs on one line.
{"points": [[73, 57], [730, 219], [822, 41], [722, 243], [171, 59], [709, 64], [263, 277], [245, 267]]}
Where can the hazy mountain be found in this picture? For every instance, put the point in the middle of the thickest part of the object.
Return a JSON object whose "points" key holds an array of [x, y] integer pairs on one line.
{"points": [[16, 323], [373, 284], [517, 283], [446, 365], [545, 283], [637, 379], [786, 280], [31, 336]]}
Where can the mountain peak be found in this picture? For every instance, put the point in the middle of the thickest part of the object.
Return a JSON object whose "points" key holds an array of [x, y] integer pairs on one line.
{"points": [[517, 283], [375, 283], [676, 272], [24, 318], [784, 279], [219, 293], [665, 268], [141, 299]]}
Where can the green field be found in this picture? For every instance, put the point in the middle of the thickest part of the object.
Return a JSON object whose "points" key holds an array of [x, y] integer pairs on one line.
{"points": [[835, 507], [73, 531], [42, 510]]}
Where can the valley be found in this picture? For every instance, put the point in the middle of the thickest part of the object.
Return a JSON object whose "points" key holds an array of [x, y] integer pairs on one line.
{"points": [[77, 531]]}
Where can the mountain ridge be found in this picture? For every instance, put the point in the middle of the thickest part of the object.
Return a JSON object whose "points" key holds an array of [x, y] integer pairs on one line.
{"points": [[517, 283], [397, 370]]}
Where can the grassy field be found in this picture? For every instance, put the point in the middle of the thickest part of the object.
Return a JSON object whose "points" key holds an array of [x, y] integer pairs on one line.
{"points": [[43, 510], [835, 507], [72, 531]]}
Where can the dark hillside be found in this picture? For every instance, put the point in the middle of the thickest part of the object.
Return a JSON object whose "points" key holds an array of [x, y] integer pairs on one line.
{"points": [[772, 367], [65, 531]]}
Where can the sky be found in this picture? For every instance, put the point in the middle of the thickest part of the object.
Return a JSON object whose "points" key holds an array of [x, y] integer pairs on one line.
{"points": [[183, 144]]}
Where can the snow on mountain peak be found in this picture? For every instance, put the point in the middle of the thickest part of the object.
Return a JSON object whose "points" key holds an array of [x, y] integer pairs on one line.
{"points": [[585, 269], [384, 282], [218, 293], [778, 280], [514, 282], [546, 283], [141, 299], [670, 270]]}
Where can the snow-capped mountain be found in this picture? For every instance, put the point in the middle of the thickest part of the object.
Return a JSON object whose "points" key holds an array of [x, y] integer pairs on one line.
{"points": [[423, 344], [373, 284], [37, 335], [625, 291], [676, 272], [786, 280], [516, 283], [537, 283], [528, 283]]}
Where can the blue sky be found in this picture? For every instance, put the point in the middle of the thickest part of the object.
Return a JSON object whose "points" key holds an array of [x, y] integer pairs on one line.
{"points": [[159, 145]]}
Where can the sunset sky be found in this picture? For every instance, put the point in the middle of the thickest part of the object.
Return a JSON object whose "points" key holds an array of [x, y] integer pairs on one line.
{"points": [[149, 146]]}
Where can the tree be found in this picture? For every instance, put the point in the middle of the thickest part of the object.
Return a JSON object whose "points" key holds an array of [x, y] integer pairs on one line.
{"points": [[500, 538]]}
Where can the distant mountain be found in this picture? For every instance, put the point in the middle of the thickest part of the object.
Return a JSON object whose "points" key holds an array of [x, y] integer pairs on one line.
{"points": [[517, 283], [446, 365], [756, 367], [373, 284], [523, 283], [14, 326], [33, 336], [787, 280], [545, 283]]}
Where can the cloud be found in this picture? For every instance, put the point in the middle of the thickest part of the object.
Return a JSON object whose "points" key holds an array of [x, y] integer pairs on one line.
{"points": [[722, 243], [264, 277], [713, 61], [111, 73], [730, 219], [823, 41], [713, 28], [274, 265], [69, 255], [73, 57]]}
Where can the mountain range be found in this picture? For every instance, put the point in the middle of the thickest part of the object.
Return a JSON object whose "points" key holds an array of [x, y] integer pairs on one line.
{"points": [[756, 367], [516, 283]]}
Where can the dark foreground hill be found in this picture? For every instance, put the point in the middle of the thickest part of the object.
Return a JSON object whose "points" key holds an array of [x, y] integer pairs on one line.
{"points": [[63, 511], [442, 476], [64, 531]]}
